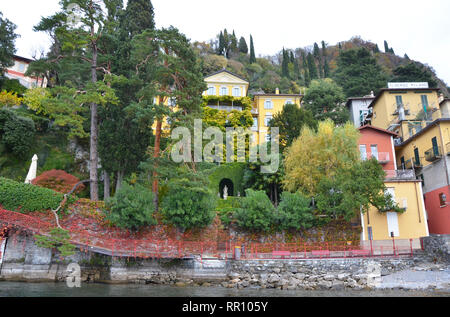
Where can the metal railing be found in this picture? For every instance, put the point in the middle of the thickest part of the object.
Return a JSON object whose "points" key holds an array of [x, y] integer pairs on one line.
{"points": [[109, 244], [382, 157], [433, 154], [406, 174]]}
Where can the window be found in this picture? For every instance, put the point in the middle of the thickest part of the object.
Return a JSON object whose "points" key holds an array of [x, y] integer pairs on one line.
{"points": [[362, 115], [172, 102], [289, 102], [442, 200], [255, 123], [267, 137], [267, 120], [223, 91], [416, 157], [155, 100], [268, 104], [424, 101], [374, 150], [435, 146], [402, 162], [363, 151], [211, 91], [21, 67], [399, 101], [236, 92]]}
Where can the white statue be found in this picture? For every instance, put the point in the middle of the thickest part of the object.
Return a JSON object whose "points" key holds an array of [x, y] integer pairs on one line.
{"points": [[225, 192]]}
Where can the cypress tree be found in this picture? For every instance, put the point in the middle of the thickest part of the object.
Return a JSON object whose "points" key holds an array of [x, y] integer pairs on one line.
{"points": [[376, 49], [243, 48], [386, 47], [252, 51], [326, 67], [221, 47], [226, 41], [233, 43], [312, 68], [305, 69], [284, 64], [139, 16]]}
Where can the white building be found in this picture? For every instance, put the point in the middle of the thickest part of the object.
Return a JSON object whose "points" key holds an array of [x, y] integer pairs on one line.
{"points": [[18, 70], [359, 108]]}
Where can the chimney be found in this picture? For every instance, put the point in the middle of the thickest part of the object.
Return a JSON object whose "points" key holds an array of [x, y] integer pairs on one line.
{"points": [[277, 91], [441, 98], [371, 94]]}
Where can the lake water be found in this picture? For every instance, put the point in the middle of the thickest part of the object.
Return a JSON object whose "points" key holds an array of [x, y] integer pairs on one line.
{"points": [[18, 289]]}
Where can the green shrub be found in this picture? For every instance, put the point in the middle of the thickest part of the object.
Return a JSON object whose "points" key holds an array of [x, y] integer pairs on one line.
{"points": [[28, 198], [294, 212], [188, 205], [59, 239], [131, 208], [256, 212], [17, 133], [226, 209]]}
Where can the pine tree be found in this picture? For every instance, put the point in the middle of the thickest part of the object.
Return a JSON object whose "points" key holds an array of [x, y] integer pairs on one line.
{"points": [[7, 38], [243, 48], [252, 51]]}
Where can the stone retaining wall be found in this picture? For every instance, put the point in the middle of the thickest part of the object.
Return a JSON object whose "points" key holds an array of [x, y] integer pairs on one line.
{"points": [[437, 246], [24, 261]]}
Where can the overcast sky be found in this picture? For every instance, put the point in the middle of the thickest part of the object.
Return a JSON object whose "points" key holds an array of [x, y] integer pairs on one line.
{"points": [[416, 27]]}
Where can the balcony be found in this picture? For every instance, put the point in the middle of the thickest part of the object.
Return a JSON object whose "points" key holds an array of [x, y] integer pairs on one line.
{"points": [[398, 141], [409, 164], [381, 157], [433, 154], [407, 174], [225, 107]]}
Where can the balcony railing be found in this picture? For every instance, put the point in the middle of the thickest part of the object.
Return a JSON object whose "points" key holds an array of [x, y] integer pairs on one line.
{"points": [[433, 154], [225, 107], [382, 157], [406, 174]]}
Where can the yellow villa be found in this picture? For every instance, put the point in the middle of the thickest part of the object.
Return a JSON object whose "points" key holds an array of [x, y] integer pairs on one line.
{"points": [[265, 106]]}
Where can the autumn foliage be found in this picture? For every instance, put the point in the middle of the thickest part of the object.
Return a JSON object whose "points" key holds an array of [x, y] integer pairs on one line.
{"points": [[59, 181]]}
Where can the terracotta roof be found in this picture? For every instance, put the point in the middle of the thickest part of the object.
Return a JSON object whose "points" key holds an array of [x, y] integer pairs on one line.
{"points": [[378, 129]]}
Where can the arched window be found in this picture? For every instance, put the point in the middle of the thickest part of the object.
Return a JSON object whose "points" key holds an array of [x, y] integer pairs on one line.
{"points": [[236, 92], [211, 91]]}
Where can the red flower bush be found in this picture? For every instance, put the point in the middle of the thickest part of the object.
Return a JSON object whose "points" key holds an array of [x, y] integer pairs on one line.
{"points": [[58, 180]]}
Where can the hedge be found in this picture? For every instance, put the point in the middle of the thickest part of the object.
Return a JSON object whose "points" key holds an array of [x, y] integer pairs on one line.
{"points": [[23, 197]]}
